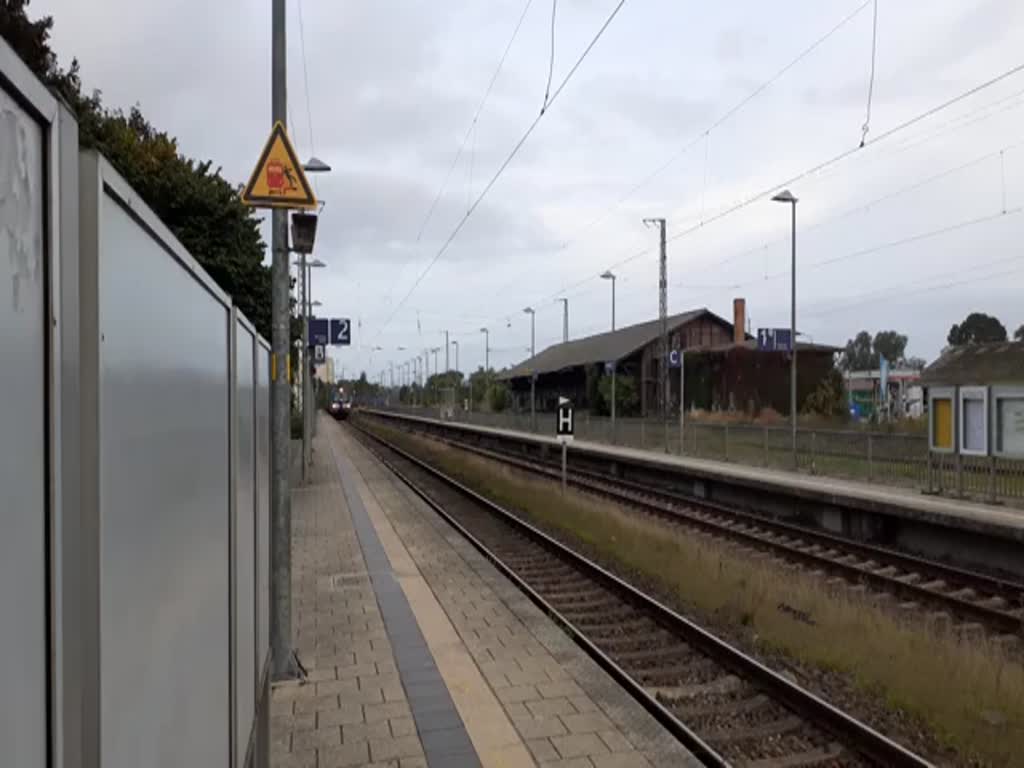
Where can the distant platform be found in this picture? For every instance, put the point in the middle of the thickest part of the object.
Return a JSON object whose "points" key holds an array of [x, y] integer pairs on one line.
{"points": [[985, 534]]}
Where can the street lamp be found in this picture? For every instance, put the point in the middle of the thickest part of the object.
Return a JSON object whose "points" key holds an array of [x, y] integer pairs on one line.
{"points": [[316, 165], [533, 375], [487, 349], [785, 196], [609, 275], [565, 320]]}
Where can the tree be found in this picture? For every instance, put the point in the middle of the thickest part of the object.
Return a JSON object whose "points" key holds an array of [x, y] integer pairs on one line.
{"points": [[976, 328], [201, 208], [1018, 335], [890, 345], [863, 352], [915, 363], [857, 355]]}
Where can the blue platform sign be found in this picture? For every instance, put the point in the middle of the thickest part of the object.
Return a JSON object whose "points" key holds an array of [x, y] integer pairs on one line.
{"points": [[318, 331], [675, 358], [341, 331], [774, 339]]}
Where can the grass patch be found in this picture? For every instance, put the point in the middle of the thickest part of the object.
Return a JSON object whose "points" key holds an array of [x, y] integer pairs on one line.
{"points": [[970, 695]]}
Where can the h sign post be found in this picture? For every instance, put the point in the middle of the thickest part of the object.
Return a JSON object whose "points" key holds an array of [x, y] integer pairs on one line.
{"points": [[564, 432]]}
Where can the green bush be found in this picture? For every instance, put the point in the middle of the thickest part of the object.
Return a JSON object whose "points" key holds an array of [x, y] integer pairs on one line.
{"points": [[627, 397], [498, 397]]}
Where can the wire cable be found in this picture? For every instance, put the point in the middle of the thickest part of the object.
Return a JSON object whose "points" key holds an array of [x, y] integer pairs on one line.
{"points": [[472, 124], [725, 116], [871, 78], [835, 159], [501, 169], [901, 291], [551, 65], [305, 79], [305, 83]]}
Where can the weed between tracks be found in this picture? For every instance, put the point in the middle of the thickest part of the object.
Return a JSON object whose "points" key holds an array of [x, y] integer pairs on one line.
{"points": [[969, 694]]}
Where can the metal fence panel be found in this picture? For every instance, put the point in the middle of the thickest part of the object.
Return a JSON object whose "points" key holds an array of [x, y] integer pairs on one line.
{"points": [[164, 495], [23, 436], [262, 506], [244, 540]]}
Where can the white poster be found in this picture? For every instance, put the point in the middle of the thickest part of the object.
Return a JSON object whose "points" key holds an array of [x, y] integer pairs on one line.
{"points": [[974, 426], [1010, 425]]}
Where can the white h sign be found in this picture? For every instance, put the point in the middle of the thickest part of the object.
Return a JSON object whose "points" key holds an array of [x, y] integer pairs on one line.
{"points": [[564, 424]]}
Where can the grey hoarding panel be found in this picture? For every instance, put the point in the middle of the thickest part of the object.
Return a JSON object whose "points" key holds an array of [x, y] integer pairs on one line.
{"points": [[245, 542], [23, 444], [164, 500], [263, 504]]}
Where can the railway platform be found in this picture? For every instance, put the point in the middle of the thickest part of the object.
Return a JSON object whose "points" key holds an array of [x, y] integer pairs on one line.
{"points": [[419, 652]]}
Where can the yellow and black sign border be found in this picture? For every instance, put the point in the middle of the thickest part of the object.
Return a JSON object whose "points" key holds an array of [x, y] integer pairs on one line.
{"points": [[308, 199]]}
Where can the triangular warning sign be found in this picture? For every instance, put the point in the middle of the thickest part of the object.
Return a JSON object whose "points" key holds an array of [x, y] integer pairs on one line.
{"points": [[278, 181]]}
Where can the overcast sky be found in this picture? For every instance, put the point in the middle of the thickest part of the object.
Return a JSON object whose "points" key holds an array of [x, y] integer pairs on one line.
{"points": [[394, 85]]}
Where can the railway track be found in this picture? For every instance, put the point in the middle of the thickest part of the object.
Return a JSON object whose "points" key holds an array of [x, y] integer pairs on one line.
{"points": [[725, 706], [966, 600]]}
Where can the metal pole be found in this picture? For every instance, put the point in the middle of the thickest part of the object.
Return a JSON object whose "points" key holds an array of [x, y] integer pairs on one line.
{"points": [[615, 368], [792, 336], [311, 411], [565, 320], [663, 314], [487, 350], [613, 302], [682, 400], [447, 367], [304, 359], [280, 389], [533, 373], [565, 451]]}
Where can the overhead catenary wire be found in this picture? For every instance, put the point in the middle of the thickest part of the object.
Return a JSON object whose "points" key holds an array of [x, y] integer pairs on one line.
{"points": [[473, 122], [871, 77], [305, 84], [912, 288], [860, 207], [551, 64], [888, 245], [837, 158], [501, 169], [725, 116]]}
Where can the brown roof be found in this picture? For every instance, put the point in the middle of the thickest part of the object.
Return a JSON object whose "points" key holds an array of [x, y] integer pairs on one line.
{"points": [[990, 363], [602, 347]]}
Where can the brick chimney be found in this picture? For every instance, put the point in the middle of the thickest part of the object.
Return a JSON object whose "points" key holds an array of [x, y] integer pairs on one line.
{"points": [[739, 320]]}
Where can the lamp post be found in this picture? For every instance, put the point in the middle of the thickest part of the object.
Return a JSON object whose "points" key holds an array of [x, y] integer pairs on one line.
{"points": [[487, 349], [785, 196], [458, 373], [303, 238], [565, 320], [533, 374], [609, 275]]}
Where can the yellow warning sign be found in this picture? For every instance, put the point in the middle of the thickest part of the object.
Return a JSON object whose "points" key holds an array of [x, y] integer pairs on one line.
{"points": [[278, 181]]}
